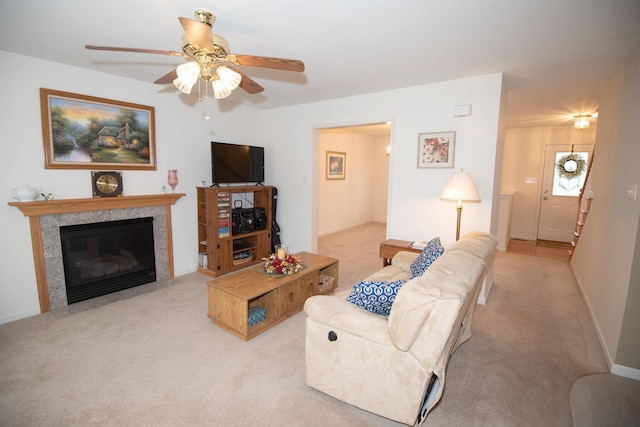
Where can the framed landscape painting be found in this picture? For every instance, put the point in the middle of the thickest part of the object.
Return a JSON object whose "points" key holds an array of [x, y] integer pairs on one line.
{"points": [[336, 165], [84, 132], [435, 150]]}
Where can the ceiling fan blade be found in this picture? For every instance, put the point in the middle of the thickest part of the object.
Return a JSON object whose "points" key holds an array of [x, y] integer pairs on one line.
{"points": [[167, 78], [199, 34], [135, 50], [247, 83], [267, 62]]}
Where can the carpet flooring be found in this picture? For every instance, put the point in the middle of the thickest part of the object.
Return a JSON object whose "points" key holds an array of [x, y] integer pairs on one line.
{"points": [[594, 398], [155, 359]]}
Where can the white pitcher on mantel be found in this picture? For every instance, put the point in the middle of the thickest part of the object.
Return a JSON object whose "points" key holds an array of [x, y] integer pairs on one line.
{"points": [[25, 194]]}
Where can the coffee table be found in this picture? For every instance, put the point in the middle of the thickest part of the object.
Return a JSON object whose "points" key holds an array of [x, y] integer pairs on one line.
{"points": [[232, 295]]}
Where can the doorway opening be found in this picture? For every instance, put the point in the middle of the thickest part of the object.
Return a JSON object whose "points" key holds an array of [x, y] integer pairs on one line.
{"points": [[358, 192]]}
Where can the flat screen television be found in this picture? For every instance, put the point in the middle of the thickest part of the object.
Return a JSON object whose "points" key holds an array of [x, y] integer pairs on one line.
{"points": [[234, 163]]}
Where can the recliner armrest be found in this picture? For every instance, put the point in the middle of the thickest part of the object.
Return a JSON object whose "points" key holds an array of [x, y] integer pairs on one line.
{"points": [[346, 317], [403, 260]]}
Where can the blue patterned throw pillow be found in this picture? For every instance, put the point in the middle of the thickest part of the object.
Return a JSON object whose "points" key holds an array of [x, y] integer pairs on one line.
{"points": [[376, 297], [430, 253]]}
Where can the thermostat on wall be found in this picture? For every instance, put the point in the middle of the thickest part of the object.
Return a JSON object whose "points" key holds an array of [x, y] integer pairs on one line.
{"points": [[462, 110]]}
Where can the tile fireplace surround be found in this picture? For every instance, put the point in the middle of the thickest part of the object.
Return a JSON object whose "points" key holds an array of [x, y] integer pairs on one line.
{"points": [[46, 218]]}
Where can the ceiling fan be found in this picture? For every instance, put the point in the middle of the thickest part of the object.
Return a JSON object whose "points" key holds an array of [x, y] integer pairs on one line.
{"points": [[210, 60]]}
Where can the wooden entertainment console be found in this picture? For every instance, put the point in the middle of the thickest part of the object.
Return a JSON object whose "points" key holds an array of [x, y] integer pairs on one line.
{"points": [[231, 296], [221, 250]]}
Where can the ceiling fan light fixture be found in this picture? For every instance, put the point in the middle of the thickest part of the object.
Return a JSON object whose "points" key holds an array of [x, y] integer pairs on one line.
{"points": [[188, 74], [220, 90], [224, 81], [205, 52], [229, 77]]}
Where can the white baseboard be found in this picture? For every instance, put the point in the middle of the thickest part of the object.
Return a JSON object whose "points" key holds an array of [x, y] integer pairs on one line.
{"points": [[596, 327], [625, 371], [18, 316], [522, 237], [345, 228]]}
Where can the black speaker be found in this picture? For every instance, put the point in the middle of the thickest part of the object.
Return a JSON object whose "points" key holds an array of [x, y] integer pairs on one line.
{"points": [[236, 221], [243, 220], [248, 220], [261, 218]]}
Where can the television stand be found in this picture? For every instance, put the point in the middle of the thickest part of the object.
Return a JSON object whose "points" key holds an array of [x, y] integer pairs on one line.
{"points": [[216, 238]]}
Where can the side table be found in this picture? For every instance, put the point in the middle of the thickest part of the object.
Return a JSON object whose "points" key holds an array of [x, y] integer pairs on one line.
{"points": [[391, 247]]}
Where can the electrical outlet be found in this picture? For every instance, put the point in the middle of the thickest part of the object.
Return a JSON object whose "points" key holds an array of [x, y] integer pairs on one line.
{"points": [[632, 192]]}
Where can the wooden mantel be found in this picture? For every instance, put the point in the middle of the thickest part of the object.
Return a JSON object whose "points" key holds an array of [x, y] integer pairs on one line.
{"points": [[52, 207], [34, 210]]}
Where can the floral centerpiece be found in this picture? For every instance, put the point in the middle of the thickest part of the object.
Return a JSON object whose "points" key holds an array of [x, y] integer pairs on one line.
{"points": [[288, 265]]}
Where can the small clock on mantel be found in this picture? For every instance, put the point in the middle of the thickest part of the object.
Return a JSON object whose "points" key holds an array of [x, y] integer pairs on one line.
{"points": [[106, 183]]}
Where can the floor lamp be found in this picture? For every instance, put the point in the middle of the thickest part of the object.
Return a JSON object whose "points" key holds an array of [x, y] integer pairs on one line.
{"points": [[460, 188]]}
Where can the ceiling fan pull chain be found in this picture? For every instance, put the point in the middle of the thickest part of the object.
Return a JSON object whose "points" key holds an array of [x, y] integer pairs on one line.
{"points": [[206, 101]]}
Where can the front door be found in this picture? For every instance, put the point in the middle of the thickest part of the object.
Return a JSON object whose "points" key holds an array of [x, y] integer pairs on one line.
{"points": [[565, 170]]}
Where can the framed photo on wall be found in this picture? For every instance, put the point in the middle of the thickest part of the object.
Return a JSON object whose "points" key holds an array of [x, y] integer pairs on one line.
{"points": [[84, 132], [436, 150], [336, 165]]}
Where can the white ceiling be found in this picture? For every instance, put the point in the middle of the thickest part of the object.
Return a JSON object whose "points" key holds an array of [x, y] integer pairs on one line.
{"points": [[555, 55]]}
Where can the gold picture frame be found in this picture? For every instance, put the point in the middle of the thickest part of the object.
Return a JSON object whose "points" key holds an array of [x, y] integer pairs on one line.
{"points": [[85, 132], [336, 165]]}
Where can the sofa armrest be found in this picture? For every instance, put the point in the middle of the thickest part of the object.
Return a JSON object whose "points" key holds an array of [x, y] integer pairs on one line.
{"points": [[346, 317], [403, 260]]}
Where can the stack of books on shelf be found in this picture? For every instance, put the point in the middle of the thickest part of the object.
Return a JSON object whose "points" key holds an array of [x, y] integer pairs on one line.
{"points": [[223, 215]]}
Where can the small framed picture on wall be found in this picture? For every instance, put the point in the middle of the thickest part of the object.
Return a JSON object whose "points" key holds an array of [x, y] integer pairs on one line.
{"points": [[336, 165], [435, 150]]}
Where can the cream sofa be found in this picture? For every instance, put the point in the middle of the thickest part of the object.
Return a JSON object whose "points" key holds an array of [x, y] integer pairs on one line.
{"points": [[395, 365]]}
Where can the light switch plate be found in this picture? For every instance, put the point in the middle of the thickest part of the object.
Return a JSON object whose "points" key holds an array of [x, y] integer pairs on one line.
{"points": [[632, 192], [531, 180]]}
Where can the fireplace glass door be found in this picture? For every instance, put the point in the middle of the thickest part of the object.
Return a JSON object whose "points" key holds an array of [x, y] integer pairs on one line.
{"points": [[106, 257]]}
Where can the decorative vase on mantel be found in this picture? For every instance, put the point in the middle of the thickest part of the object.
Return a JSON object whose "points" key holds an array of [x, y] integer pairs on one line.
{"points": [[172, 180]]}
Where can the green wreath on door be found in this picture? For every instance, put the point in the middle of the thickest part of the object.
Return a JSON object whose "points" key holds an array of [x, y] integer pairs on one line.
{"points": [[571, 166]]}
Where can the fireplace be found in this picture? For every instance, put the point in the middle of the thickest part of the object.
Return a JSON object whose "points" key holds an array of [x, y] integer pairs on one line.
{"points": [[47, 217], [105, 257]]}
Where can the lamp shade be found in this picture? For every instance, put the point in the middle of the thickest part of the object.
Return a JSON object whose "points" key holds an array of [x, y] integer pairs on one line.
{"points": [[229, 77], [226, 81], [461, 187], [187, 76]]}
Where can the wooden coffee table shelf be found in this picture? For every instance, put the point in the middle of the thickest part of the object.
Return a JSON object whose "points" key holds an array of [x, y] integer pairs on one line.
{"points": [[231, 296]]}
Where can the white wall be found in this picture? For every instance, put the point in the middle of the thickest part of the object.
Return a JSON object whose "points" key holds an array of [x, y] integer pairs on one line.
{"points": [[182, 143], [604, 257], [524, 158], [360, 197], [415, 208], [380, 179]]}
